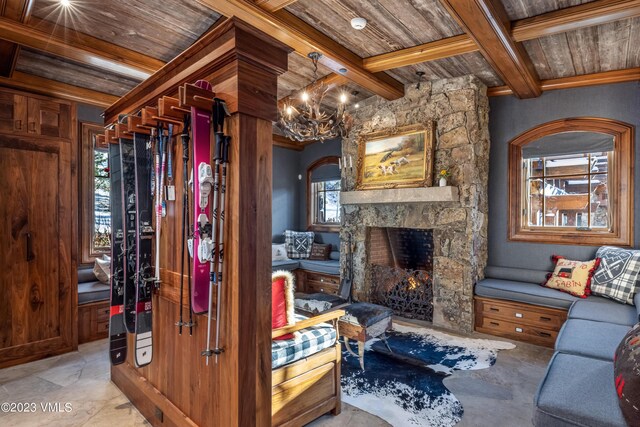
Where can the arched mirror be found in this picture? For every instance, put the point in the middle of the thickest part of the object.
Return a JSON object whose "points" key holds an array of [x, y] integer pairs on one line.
{"points": [[571, 183], [323, 195]]}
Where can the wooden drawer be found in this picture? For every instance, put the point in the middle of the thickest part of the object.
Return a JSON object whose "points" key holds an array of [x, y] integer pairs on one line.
{"points": [[522, 313], [317, 282], [518, 331], [103, 313], [93, 321]]}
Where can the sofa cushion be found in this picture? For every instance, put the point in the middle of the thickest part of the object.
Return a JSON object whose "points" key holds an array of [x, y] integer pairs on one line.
{"points": [[320, 252], [530, 293], [327, 267], [304, 343], [601, 309], [617, 275], [516, 274], [636, 301], [577, 391], [590, 339], [335, 255], [92, 292], [282, 307], [285, 265], [298, 243], [627, 375], [572, 277], [317, 302], [85, 274]]}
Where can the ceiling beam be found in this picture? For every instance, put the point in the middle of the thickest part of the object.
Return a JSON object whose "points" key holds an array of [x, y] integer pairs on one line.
{"points": [[303, 38], [284, 142], [19, 11], [87, 50], [607, 77], [574, 18], [31, 83], [273, 5], [487, 23], [431, 51]]}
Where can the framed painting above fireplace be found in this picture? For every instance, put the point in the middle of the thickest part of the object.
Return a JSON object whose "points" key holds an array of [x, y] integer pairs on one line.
{"points": [[396, 158]]}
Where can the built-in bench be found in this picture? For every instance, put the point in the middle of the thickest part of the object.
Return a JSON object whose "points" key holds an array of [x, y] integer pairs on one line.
{"points": [[93, 306], [578, 388]]}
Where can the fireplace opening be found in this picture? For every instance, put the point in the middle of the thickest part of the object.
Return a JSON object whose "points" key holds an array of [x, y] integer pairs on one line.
{"points": [[401, 265]]}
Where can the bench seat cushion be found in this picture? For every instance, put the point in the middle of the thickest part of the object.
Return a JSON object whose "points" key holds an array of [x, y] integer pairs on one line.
{"points": [[328, 267], [365, 314], [92, 292], [530, 293], [303, 344], [601, 309], [577, 391], [590, 339], [636, 301], [288, 265], [317, 303]]}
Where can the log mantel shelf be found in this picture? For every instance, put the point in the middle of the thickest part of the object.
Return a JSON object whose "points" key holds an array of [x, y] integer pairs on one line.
{"points": [[400, 195]]}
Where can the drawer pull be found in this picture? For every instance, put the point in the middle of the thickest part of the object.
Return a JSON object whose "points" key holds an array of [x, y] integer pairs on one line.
{"points": [[494, 309], [519, 315], [322, 280], [106, 326], [518, 329], [544, 334], [546, 319], [494, 323]]}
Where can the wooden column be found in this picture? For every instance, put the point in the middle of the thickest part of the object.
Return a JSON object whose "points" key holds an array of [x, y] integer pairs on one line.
{"points": [[177, 388]]}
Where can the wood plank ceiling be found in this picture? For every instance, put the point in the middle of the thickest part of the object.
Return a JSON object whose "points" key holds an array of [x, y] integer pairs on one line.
{"points": [[402, 37]]}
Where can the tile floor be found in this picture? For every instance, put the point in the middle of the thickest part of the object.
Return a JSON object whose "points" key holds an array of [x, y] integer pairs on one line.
{"points": [[499, 396]]}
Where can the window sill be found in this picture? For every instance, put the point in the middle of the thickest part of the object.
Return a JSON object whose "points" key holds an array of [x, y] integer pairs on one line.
{"points": [[570, 237], [324, 228]]}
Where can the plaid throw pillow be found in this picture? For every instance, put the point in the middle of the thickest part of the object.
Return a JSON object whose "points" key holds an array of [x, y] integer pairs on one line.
{"points": [[298, 243], [617, 275]]}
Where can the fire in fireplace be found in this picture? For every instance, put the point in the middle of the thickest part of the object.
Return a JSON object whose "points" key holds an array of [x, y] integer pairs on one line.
{"points": [[401, 262]]}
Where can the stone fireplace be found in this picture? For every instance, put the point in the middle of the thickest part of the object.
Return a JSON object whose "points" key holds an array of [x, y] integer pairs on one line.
{"points": [[401, 264], [457, 225]]}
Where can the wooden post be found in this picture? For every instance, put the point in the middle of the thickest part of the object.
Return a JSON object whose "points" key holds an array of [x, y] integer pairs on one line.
{"points": [[177, 388]]}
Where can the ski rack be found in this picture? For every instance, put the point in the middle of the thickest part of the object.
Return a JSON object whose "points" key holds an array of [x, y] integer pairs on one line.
{"points": [[134, 125], [194, 96]]}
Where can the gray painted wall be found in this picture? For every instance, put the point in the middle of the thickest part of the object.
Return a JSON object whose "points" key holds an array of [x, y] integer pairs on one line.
{"points": [[509, 117], [285, 195]]}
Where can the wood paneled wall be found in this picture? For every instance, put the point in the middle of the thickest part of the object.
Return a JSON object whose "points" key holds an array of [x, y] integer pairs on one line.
{"points": [[178, 388]]}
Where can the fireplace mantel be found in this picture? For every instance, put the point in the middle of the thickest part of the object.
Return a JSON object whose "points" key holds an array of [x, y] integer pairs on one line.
{"points": [[400, 195]]}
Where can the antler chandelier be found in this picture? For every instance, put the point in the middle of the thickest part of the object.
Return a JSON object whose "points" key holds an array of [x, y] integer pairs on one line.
{"points": [[308, 121]]}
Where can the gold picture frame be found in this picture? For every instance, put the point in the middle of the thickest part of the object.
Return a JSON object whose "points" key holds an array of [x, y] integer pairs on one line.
{"points": [[397, 158]]}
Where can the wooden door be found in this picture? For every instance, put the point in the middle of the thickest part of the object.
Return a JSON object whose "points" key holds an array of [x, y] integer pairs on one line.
{"points": [[49, 118], [36, 297], [13, 113]]}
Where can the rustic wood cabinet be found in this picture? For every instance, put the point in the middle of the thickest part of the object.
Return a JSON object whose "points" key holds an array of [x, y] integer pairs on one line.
{"points": [[311, 282], [37, 267], [93, 321], [519, 321]]}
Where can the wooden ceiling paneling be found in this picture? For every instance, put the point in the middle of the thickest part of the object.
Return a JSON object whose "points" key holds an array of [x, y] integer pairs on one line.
{"points": [[392, 24], [300, 74], [607, 47], [470, 63], [66, 71], [519, 9], [158, 28]]}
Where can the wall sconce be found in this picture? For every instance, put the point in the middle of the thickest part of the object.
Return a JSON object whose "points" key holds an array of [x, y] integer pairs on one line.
{"points": [[342, 162]]}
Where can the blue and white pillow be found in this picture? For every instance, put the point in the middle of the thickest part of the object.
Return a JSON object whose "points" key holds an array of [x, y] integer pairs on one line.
{"points": [[298, 243], [618, 274]]}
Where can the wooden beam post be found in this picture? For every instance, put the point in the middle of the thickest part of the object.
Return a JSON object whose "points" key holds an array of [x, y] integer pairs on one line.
{"points": [[487, 23], [242, 65]]}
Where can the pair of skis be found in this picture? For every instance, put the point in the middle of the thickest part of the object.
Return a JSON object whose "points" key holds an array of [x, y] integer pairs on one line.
{"points": [[131, 291], [208, 239]]}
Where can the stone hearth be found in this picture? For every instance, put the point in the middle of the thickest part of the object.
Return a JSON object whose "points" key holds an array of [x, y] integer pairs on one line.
{"points": [[459, 106]]}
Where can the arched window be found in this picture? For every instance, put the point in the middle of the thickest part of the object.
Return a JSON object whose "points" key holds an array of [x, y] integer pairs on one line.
{"points": [[323, 195], [571, 182]]}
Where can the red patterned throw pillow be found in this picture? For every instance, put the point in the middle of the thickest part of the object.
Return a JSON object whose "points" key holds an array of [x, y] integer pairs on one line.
{"points": [[572, 277], [282, 304], [626, 374]]}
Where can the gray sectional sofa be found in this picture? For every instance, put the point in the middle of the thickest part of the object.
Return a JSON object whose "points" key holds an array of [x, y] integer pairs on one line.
{"points": [[578, 387]]}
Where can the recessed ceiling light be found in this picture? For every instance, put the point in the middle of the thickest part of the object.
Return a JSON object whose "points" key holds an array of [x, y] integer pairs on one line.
{"points": [[358, 23], [65, 3]]}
